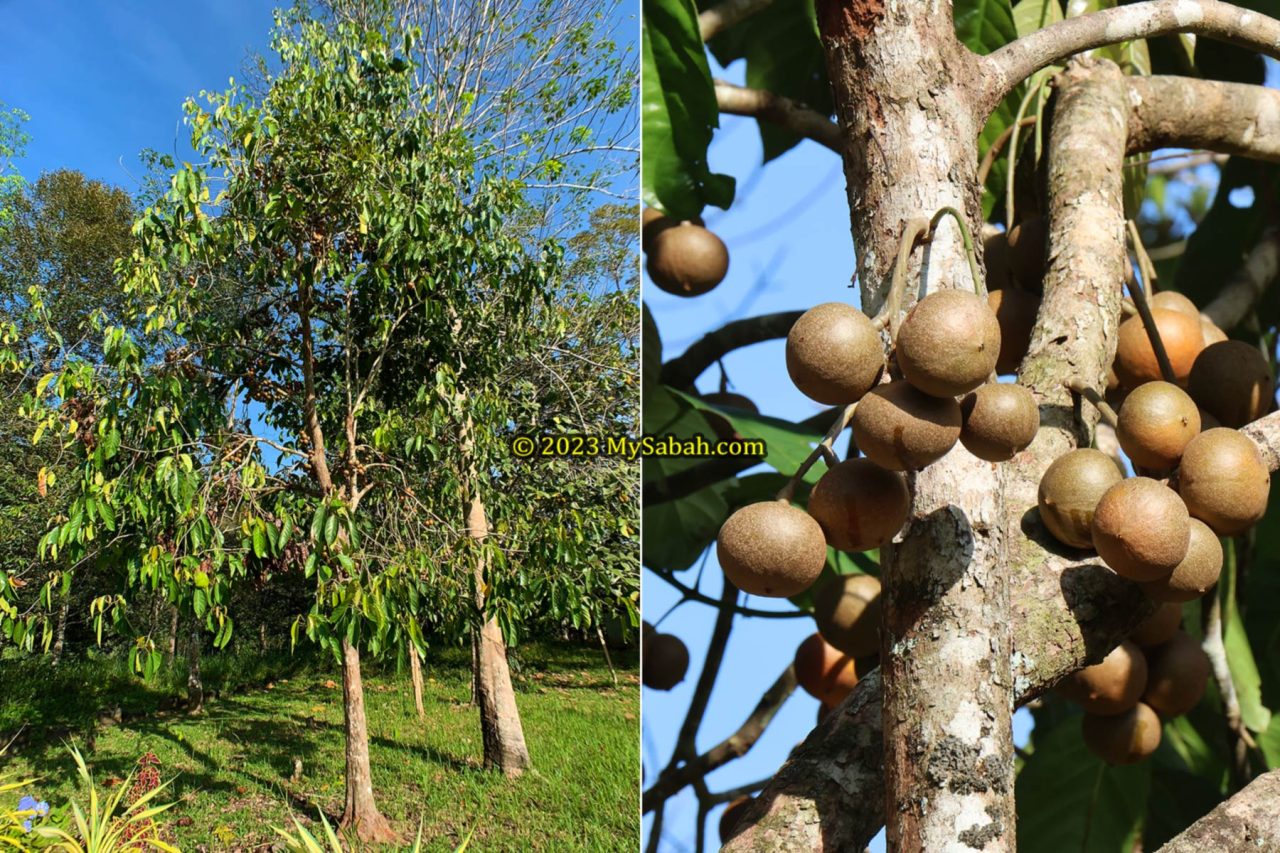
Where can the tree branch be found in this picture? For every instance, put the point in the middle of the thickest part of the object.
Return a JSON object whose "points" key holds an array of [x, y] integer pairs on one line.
{"points": [[681, 372], [1182, 112], [779, 110], [1018, 60], [1247, 821], [725, 14], [1247, 284]]}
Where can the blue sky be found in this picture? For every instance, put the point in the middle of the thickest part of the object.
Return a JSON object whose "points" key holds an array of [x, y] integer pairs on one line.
{"points": [[102, 81]]}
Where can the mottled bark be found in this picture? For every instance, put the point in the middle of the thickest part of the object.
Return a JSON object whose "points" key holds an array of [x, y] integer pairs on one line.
{"points": [[60, 632], [415, 674], [360, 813], [1248, 821], [1180, 112]]}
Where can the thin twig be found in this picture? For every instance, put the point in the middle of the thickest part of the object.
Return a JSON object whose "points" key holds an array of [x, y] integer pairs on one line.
{"points": [[824, 447], [989, 159], [1099, 403]]}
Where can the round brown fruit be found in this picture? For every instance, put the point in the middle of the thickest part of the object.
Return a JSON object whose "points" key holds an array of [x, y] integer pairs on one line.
{"points": [[1172, 300], [1224, 481], [652, 221], [1070, 490], [1159, 627], [846, 609], [666, 660], [1136, 360], [1156, 422], [1027, 252], [1232, 381], [772, 549], [1111, 687], [825, 672], [859, 505], [834, 354], [1000, 419], [948, 344], [687, 259], [995, 256], [1141, 529], [1196, 574], [1015, 312], [1123, 738], [1177, 673], [902, 428], [731, 815]]}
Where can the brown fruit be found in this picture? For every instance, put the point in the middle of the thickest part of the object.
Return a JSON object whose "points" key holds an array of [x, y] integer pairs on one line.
{"points": [[1212, 334], [1070, 490], [730, 400], [1224, 481], [828, 674], [948, 344], [1000, 419], [1156, 421], [1112, 686], [902, 428], [1124, 738], [666, 660], [1141, 529], [772, 549], [1177, 674], [995, 256], [1136, 360], [1015, 312], [687, 259], [1232, 381], [1027, 252], [1159, 627], [652, 221], [846, 609], [859, 505], [1172, 300], [731, 815], [834, 354], [1198, 571]]}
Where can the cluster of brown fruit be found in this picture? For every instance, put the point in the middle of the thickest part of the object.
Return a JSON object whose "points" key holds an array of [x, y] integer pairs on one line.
{"points": [[683, 258], [665, 658], [1159, 672], [946, 351]]}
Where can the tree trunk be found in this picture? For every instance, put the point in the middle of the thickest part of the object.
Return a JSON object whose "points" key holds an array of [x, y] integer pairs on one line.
{"points": [[475, 667], [195, 685], [360, 814], [60, 633], [172, 649], [262, 637], [415, 671]]}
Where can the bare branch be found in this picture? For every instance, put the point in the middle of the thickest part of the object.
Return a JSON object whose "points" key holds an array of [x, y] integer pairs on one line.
{"points": [[1182, 112], [725, 14], [681, 372], [784, 112], [1247, 821], [1018, 60], [1246, 286]]}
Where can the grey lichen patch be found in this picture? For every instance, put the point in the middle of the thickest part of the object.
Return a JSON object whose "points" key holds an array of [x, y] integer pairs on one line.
{"points": [[977, 837]]}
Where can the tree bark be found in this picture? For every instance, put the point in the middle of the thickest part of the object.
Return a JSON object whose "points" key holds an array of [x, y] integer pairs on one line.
{"points": [[195, 684], [171, 650], [415, 672], [1249, 821], [60, 633], [360, 813]]}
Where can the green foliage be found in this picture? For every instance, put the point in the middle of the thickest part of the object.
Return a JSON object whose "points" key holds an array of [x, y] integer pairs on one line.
{"points": [[13, 141]]}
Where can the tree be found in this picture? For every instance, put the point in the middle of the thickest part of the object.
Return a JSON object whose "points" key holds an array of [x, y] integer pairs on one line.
{"points": [[981, 610]]}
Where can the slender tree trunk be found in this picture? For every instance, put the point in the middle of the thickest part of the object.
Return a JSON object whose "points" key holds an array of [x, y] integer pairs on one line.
{"points": [[60, 633], [475, 666], [262, 637], [195, 685], [360, 814], [172, 649], [415, 671]]}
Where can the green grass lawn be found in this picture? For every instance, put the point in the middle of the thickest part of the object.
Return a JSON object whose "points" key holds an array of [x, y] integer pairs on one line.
{"points": [[233, 766]]}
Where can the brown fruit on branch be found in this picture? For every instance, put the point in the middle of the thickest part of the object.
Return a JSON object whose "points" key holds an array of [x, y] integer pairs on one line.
{"points": [[834, 354], [825, 672], [666, 660], [859, 505], [1069, 493], [1232, 381], [1123, 738], [948, 344], [731, 815], [1112, 686], [1196, 574], [1177, 673], [902, 428], [772, 549], [1159, 627], [1141, 529], [995, 257], [652, 221], [1136, 360], [1172, 300], [687, 259], [1000, 419], [1224, 481], [1156, 422], [1027, 252], [1015, 312], [846, 609]]}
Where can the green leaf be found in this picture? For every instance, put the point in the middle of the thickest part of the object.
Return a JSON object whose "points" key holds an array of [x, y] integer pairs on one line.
{"points": [[788, 444], [1032, 15], [678, 103]]}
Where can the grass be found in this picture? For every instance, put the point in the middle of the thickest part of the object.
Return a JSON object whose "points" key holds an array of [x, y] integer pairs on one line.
{"points": [[233, 766]]}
